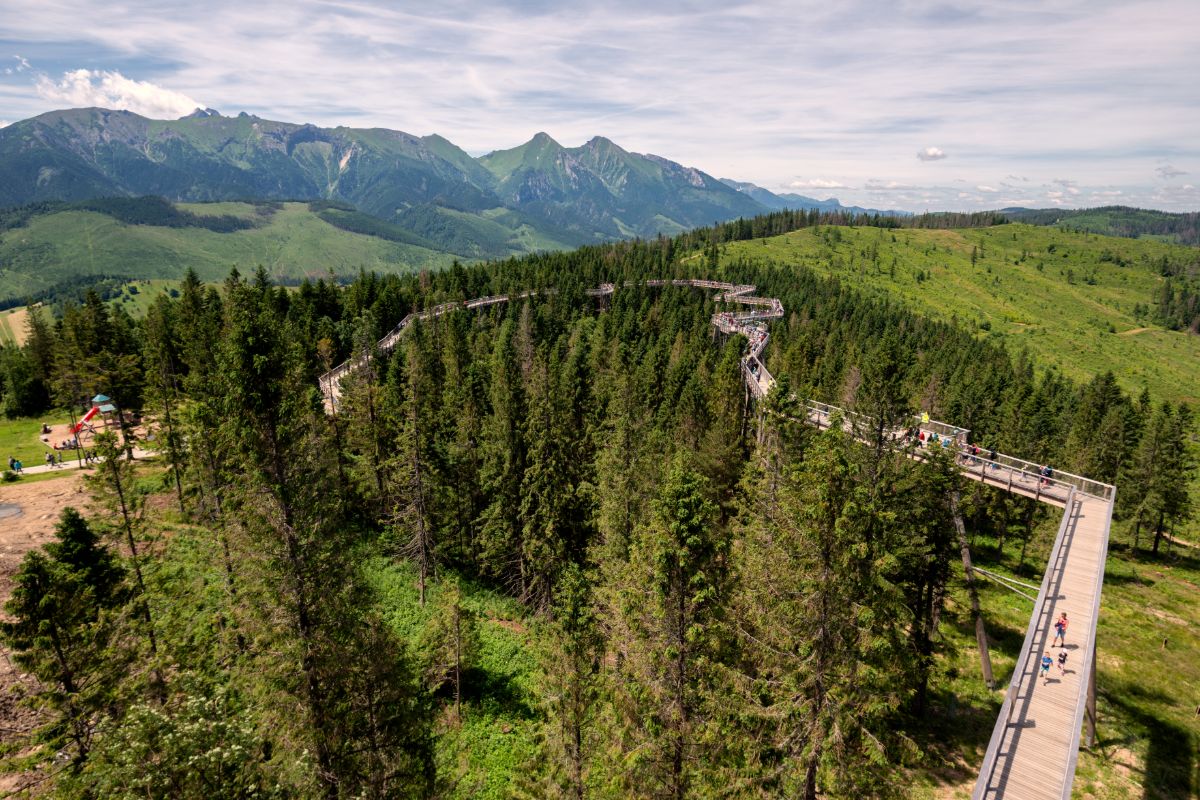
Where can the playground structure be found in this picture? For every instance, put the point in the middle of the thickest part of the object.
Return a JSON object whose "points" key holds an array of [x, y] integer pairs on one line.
{"points": [[1035, 743]]}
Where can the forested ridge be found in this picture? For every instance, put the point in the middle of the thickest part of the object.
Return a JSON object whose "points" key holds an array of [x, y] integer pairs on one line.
{"points": [[724, 603]]}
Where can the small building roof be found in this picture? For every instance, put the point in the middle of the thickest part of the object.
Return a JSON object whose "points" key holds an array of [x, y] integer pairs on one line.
{"points": [[101, 398], [108, 408]]}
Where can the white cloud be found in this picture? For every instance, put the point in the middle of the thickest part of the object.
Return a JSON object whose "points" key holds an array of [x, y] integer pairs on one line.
{"points": [[82, 88], [1167, 172], [1108, 193], [931, 154], [816, 183], [4, 123], [985, 188], [1069, 187], [874, 185]]}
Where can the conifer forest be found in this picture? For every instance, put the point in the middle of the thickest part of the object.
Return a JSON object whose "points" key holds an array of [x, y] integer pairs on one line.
{"points": [[713, 599]]}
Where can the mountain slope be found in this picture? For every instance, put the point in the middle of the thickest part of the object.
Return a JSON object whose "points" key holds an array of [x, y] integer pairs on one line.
{"points": [[789, 200], [601, 189], [564, 197], [289, 239]]}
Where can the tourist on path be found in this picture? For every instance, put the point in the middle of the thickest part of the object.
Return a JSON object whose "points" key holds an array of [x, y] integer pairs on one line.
{"points": [[1062, 662], [1060, 631], [1046, 662]]}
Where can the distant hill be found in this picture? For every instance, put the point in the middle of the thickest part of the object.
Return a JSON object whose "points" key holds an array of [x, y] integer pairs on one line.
{"points": [[778, 202], [539, 195], [67, 245], [1083, 303], [1115, 221]]}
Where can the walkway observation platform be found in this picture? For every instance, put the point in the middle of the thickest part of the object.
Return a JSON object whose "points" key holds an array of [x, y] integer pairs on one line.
{"points": [[1035, 743]]}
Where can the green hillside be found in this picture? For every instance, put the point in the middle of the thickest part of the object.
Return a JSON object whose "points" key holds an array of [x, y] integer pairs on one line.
{"points": [[293, 242], [1075, 300], [1116, 221]]}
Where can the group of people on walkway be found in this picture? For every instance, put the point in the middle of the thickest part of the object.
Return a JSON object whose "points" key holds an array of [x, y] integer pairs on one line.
{"points": [[15, 465], [1060, 640]]}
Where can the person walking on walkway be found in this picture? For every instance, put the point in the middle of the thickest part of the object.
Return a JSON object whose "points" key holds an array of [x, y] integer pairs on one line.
{"points": [[1062, 662], [1060, 631], [1046, 662]]}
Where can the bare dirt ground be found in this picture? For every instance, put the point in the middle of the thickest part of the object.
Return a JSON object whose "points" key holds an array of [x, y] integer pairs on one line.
{"points": [[40, 503]]}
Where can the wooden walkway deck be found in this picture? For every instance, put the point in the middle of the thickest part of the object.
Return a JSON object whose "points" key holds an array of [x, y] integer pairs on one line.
{"points": [[1035, 743]]}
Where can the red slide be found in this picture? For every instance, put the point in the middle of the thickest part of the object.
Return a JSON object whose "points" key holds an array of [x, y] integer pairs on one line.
{"points": [[91, 413]]}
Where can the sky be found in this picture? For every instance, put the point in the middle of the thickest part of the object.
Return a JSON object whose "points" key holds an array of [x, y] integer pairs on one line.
{"points": [[903, 104]]}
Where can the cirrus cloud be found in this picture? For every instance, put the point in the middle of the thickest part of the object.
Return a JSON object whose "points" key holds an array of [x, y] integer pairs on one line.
{"points": [[84, 87], [931, 154]]}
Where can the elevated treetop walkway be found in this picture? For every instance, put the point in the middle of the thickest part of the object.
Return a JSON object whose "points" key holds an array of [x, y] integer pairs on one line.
{"points": [[1035, 743]]}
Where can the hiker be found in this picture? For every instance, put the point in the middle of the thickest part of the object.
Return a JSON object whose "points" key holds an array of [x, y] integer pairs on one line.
{"points": [[18, 467], [49, 459], [1060, 631], [1062, 662], [1046, 662]]}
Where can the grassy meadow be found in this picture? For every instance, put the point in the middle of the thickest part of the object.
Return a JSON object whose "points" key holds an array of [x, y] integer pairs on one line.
{"points": [[291, 243], [1069, 298]]}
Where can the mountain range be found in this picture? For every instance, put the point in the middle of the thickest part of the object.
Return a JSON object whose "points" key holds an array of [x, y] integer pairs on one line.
{"points": [[539, 195]]}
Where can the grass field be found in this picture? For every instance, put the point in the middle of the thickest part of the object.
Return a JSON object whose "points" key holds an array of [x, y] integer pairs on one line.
{"points": [[292, 243], [1065, 296], [20, 438], [12, 325], [483, 755]]}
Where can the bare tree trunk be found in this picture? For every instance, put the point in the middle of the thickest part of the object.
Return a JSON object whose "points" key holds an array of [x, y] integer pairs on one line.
{"points": [[985, 658]]}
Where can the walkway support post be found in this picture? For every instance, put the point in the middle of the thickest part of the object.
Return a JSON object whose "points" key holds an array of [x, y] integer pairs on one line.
{"points": [[1091, 702], [985, 657]]}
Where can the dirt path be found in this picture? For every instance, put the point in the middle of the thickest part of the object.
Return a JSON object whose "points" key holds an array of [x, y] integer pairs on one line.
{"points": [[40, 504]]}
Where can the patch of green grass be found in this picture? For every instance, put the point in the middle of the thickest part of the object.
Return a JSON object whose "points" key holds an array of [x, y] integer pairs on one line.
{"points": [[481, 756], [1065, 296], [11, 324], [292, 243], [21, 439]]}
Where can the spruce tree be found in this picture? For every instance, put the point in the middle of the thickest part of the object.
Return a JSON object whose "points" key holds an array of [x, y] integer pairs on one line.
{"points": [[61, 630], [666, 616], [823, 628]]}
